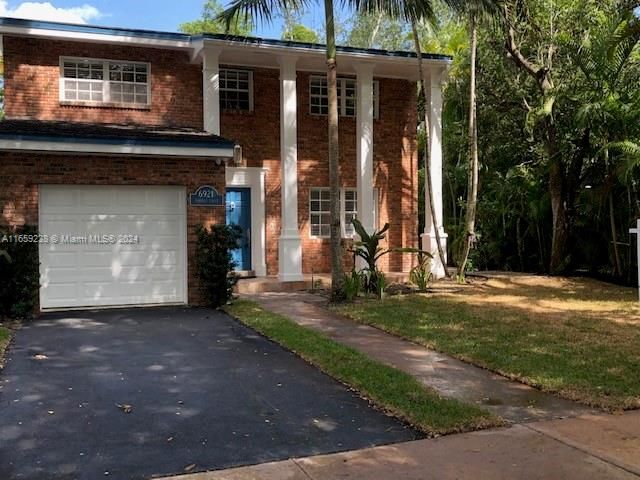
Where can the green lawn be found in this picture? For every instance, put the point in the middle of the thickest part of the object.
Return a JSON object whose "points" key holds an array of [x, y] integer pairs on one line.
{"points": [[388, 388], [580, 340], [5, 337]]}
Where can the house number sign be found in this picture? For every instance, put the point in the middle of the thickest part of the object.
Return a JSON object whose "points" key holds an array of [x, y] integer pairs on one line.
{"points": [[206, 196]]}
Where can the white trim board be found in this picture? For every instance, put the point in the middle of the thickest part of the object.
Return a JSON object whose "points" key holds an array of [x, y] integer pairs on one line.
{"points": [[70, 147]]}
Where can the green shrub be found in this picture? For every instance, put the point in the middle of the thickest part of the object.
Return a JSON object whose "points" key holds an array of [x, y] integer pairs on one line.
{"points": [[352, 285], [420, 275], [214, 266], [20, 273]]}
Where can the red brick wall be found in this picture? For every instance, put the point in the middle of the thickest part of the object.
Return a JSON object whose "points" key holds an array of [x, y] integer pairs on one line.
{"points": [[395, 163], [22, 172], [32, 71]]}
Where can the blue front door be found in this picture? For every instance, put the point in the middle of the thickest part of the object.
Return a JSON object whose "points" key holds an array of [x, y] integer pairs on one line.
{"points": [[238, 206]]}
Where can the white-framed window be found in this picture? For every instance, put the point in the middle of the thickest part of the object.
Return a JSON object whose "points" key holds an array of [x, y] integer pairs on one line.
{"points": [[347, 96], [320, 211], [349, 211], [236, 89], [98, 81]]}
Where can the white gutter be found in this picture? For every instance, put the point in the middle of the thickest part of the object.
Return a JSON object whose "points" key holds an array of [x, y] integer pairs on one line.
{"points": [[109, 149]]}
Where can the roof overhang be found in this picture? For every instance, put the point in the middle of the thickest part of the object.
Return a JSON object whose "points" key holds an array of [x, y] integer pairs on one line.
{"points": [[126, 147], [93, 34], [263, 53], [234, 50]]}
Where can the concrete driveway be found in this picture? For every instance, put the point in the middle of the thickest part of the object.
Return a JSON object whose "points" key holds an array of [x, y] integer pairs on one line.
{"points": [[205, 393]]}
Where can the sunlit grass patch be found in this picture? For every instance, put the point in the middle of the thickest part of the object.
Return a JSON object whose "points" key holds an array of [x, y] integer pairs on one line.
{"points": [[583, 343]]}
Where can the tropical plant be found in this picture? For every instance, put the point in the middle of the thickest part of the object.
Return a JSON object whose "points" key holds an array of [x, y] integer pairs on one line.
{"points": [[428, 177], [352, 285], [610, 109], [369, 250], [420, 274], [475, 11], [265, 10]]}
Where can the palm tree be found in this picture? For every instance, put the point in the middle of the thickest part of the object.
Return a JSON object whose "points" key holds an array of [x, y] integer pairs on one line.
{"points": [[475, 10], [427, 164], [264, 10]]}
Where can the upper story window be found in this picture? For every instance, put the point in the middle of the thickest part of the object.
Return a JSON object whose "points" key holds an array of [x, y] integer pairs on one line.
{"points": [[347, 96], [93, 81], [236, 89]]}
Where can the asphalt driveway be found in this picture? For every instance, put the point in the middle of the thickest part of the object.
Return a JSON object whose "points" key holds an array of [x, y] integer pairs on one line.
{"points": [[204, 391]]}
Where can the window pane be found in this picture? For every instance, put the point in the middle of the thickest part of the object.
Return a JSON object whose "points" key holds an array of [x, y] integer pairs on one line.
{"points": [[235, 90], [127, 77]]}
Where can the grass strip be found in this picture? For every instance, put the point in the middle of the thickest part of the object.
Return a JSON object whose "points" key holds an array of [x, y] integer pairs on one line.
{"points": [[387, 388], [5, 338], [581, 357]]}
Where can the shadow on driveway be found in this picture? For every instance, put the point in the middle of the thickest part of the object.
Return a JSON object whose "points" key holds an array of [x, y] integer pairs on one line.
{"points": [[204, 390]]}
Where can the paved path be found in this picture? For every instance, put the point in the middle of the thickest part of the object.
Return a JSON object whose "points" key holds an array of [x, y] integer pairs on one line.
{"points": [[204, 389], [513, 401], [603, 447]]}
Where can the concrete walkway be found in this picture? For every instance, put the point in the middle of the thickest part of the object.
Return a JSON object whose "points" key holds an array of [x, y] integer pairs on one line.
{"points": [[513, 401], [602, 447]]}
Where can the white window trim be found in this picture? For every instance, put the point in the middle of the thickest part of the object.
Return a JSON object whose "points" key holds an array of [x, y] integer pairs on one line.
{"points": [[106, 99], [342, 211], [342, 106], [250, 72]]}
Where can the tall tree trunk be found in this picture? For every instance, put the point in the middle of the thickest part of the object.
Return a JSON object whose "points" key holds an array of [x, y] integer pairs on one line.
{"points": [[376, 29], [427, 143], [558, 191], [614, 236], [472, 192], [337, 271], [561, 221]]}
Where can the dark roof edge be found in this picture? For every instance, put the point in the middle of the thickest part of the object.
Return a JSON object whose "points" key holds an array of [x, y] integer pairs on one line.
{"points": [[184, 37], [319, 46], [103, 140], [75, 27]]}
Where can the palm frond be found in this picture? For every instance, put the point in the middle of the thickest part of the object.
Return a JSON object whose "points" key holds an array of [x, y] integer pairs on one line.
{"points": [[260, 10], [405, 10]]}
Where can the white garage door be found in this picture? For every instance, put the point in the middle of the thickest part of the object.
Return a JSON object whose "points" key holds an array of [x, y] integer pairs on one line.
{"points": [[112, 245]]}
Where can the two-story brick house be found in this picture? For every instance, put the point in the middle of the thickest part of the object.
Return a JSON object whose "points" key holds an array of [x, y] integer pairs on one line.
{"points": [[117, 143]]}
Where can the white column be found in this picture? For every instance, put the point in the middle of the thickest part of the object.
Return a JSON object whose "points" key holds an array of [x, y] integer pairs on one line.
{"points": [[211, 90], [434, 106], [289, 245], [364, 145]]}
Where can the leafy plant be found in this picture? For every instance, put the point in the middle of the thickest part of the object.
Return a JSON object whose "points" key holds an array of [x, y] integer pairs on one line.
{"points": [[420, 275], [352, 285], [368, 249], [381, 284], [214, 265], [20, 271]]}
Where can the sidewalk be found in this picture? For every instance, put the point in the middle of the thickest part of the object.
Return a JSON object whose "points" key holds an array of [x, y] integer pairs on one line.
{"points": [[605, 447], [511, 400], [542, 444]]}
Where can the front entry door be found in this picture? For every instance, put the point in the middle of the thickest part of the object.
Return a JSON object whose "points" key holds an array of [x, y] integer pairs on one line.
{"points": [[238, 206]]}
